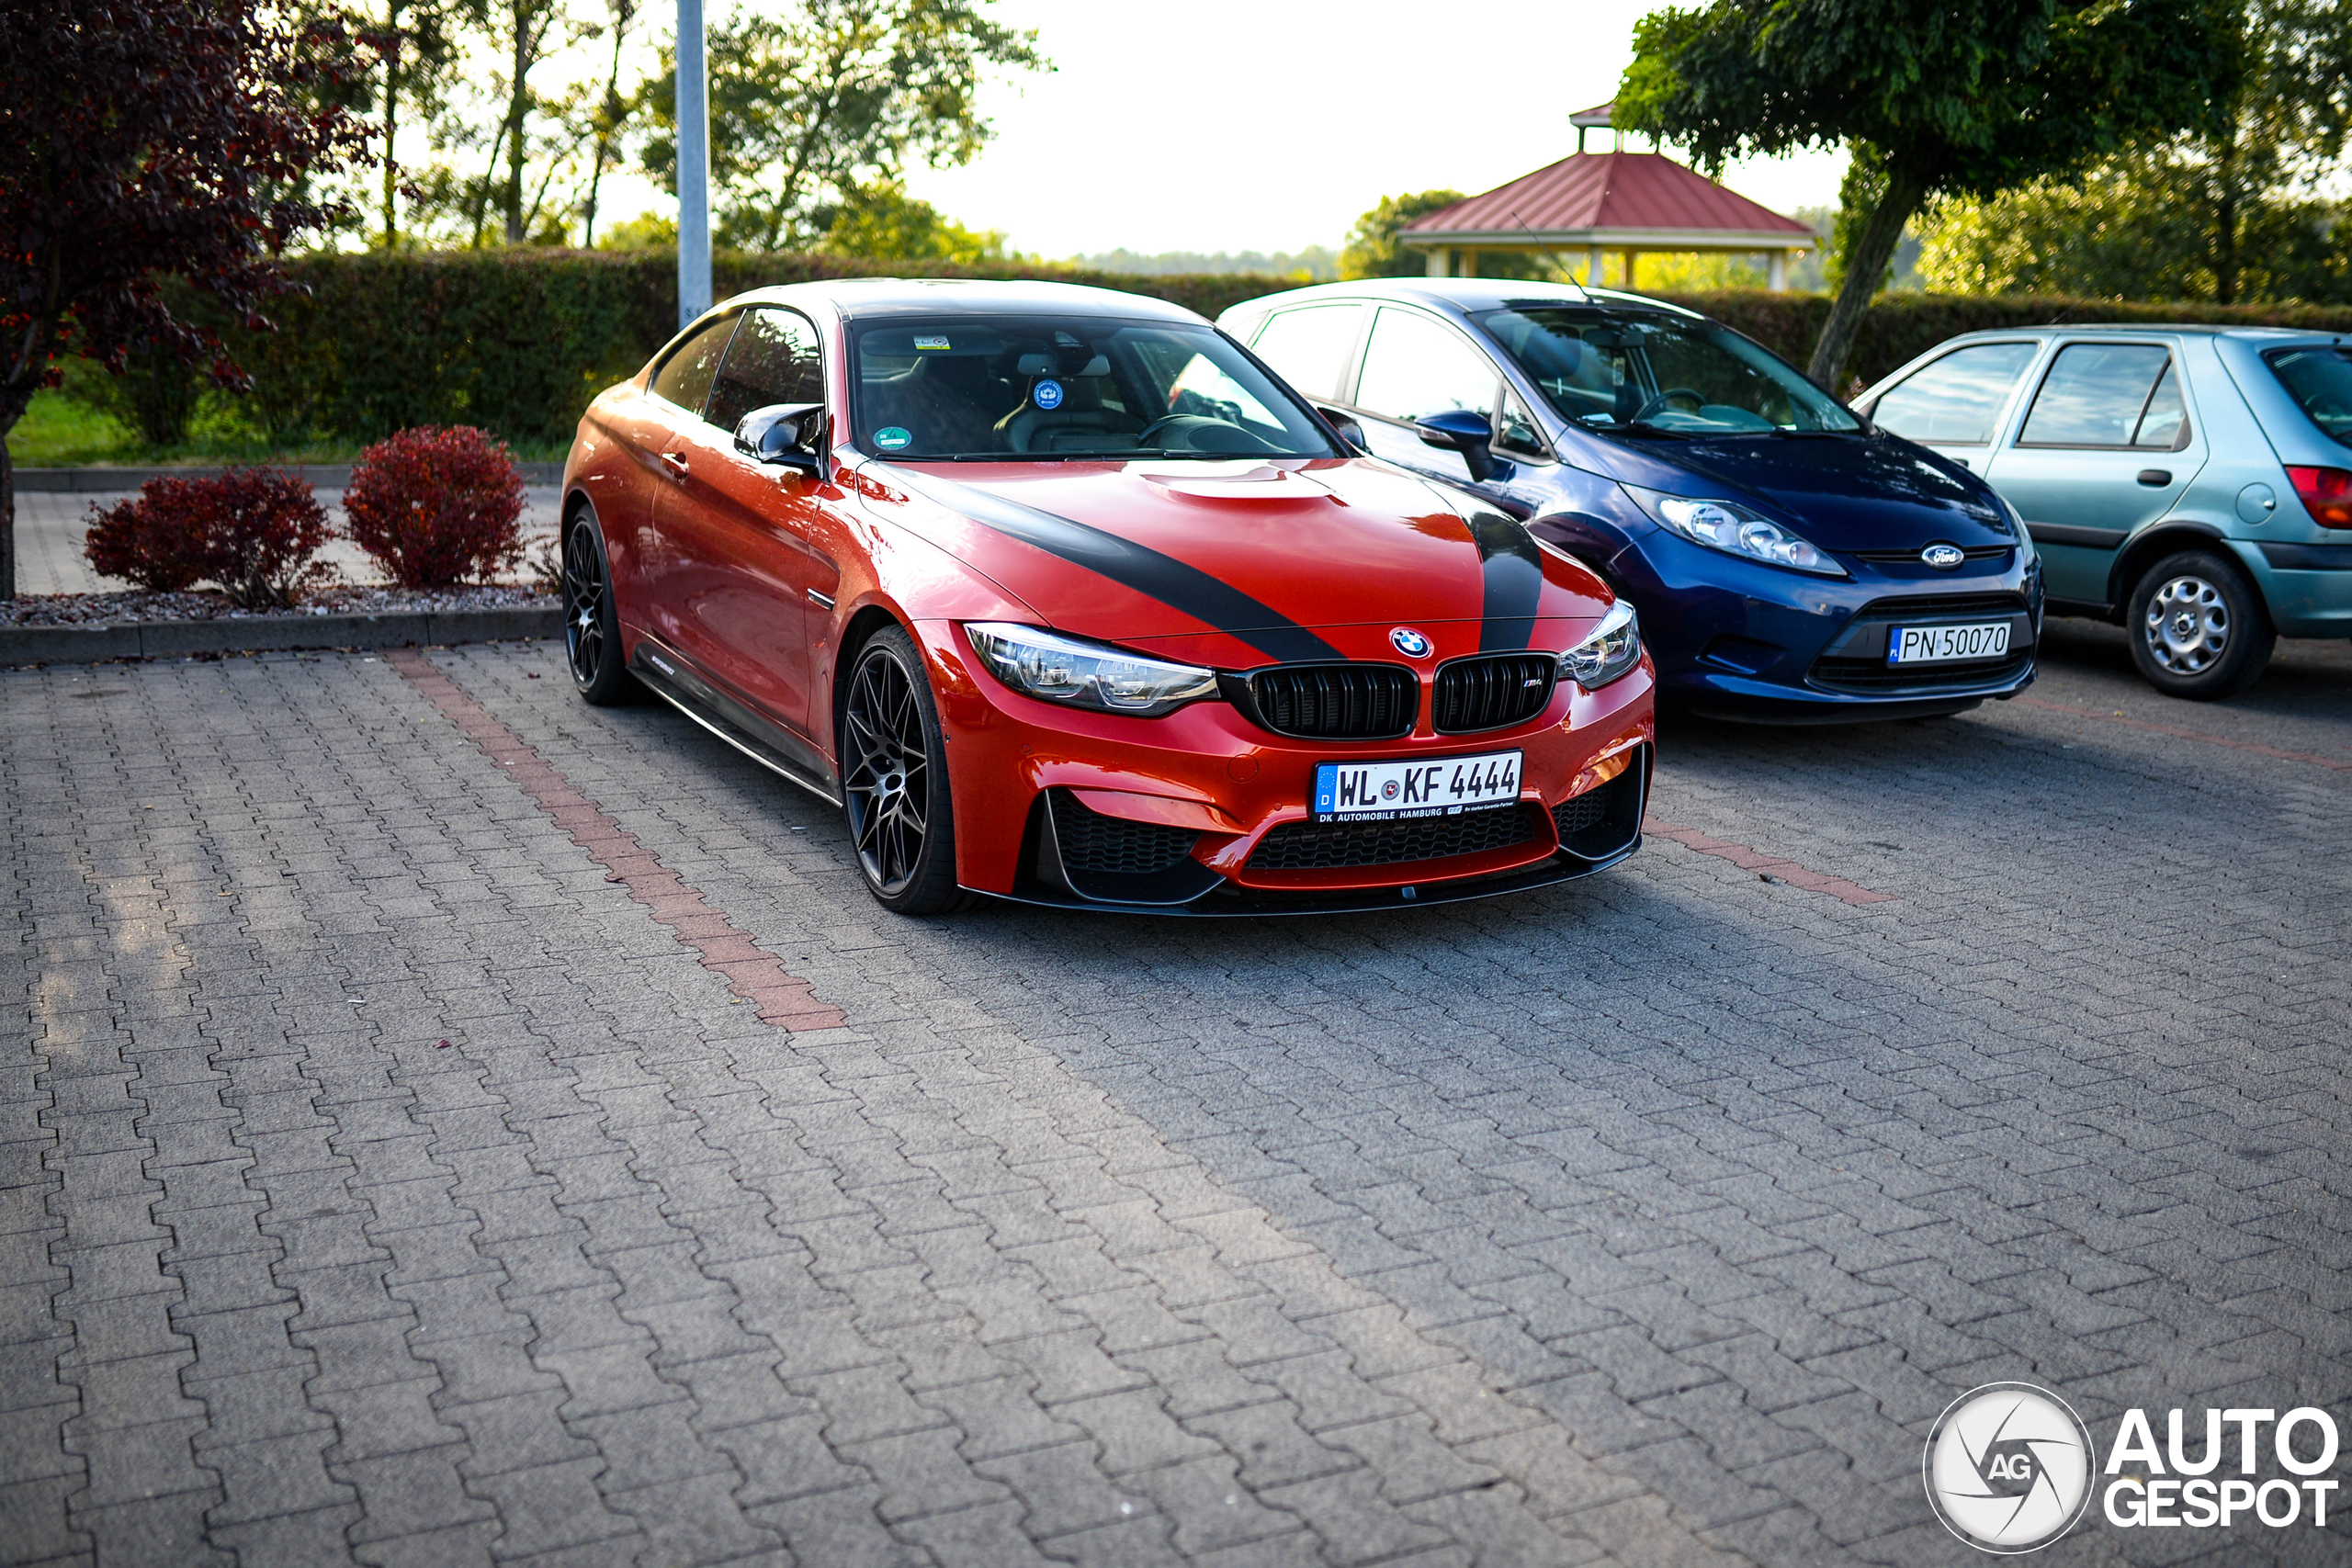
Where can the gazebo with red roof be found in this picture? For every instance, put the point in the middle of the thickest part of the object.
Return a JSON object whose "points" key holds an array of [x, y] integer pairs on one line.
{"points": [[1598, 202]]}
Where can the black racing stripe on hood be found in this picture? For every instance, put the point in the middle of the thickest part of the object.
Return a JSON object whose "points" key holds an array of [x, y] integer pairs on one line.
{"points": [[1514, 573], [1172, 582]]}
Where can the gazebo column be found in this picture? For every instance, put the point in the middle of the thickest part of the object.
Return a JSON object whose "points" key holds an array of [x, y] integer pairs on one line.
{"points": [[1595, 269], [1441, 261], [1777, 271], [1630, 254]]}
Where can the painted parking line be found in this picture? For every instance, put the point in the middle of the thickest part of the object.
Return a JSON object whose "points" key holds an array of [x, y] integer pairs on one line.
{"points": [[2339, 764], [753, 972], [1747, 858]]}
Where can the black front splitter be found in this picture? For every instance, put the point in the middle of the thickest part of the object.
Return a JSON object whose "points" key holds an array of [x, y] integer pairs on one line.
{"points": [[1230, 902]]}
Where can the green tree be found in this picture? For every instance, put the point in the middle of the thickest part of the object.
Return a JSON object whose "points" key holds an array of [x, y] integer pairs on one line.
{"points": [[808, 107], [417, 44], [2235, 214], [1936, 99], [1372, 249], [883, 222]]}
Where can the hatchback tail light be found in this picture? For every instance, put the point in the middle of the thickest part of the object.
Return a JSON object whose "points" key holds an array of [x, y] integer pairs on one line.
{"points": [[2326, 494]]}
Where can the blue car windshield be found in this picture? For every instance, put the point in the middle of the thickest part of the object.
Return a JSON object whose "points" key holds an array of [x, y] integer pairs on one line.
{"points": [[1650, 371], [1011, 389], [2320, 380]]}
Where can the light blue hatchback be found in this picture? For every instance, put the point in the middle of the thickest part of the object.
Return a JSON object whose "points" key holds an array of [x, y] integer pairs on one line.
{"points": [[2194, 483]]}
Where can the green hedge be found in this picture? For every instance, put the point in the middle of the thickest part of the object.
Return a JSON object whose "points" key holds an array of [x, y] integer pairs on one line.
{"points": [[1902, 326], [518, 341]]}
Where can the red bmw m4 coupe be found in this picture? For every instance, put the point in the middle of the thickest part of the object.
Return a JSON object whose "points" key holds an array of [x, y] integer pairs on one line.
{"points": [[1064, 597]]}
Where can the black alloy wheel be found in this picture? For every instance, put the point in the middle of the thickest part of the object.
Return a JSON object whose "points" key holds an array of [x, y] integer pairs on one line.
{"points": [[2196, 627], [894, 779], [591, 631]]}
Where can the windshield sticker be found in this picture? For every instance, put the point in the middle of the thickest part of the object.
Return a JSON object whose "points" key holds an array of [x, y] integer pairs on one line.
{"points": [[931, 341], [891, 437], [1047, 395]]}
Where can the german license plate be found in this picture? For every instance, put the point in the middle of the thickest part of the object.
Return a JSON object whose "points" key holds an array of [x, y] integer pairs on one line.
{"points": [[1391, 792], [1946, 645]]}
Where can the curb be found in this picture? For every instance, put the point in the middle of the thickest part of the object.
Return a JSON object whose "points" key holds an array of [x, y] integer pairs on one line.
{"points": [[321, 476], [257, 634]]}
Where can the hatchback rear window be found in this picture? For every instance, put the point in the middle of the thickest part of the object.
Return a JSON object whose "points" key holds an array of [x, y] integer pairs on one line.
{"points": [[2109, 394], [2320, 380]]}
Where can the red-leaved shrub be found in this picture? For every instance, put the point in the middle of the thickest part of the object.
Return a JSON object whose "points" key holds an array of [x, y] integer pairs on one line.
{"points": [[251, 531], [435, 506]]}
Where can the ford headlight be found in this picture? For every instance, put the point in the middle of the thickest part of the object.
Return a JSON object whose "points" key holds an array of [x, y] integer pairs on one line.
{"points": [[1609, 650], [1039, 663], [1736, 530]]}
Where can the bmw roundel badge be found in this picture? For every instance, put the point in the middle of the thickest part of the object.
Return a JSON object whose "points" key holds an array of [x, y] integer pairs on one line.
{"points": [[1410, 643], [1944, 557]]}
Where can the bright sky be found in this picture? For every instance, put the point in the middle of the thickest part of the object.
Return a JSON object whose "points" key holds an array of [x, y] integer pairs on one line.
{"points": [[1229, 125]]}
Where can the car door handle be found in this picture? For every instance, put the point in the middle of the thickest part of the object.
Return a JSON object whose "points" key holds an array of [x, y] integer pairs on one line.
{"points": [[822, 601], [2155, 479], [677, 462]]}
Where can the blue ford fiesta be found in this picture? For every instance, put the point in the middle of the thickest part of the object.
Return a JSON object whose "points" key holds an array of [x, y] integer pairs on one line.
{"points": [[1790, 561]]}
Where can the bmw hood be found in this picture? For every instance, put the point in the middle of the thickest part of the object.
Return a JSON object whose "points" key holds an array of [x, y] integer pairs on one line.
{"points": [[1874, 492], [1255, 560]]}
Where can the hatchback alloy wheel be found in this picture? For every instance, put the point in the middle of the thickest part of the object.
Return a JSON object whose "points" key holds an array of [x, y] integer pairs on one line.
{"points": [[2196, 627], [2188, 626]]}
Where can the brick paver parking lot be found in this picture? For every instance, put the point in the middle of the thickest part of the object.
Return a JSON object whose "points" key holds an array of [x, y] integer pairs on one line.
{"points": [[389, 1177]]}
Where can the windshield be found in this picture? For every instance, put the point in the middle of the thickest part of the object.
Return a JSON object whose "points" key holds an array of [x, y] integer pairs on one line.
{"points": [[2319, 378], [1608, 368], [983, 389]]}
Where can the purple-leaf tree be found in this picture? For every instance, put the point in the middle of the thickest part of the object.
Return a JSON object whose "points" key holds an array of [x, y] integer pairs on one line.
{"points": [[147, 139]]}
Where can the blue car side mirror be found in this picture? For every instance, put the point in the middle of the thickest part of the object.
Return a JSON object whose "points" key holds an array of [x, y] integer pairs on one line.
{"points": [[1464, 431], [781, 434]]}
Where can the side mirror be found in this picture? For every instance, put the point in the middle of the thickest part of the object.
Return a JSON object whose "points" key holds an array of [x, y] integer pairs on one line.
{"points": [[1463, 431], [781, 434], [1349, 430]]}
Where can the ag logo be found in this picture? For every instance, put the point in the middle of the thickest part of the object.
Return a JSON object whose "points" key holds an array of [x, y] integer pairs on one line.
{"points": [[2008, 1468], [1944, 557], [1409, 642]]}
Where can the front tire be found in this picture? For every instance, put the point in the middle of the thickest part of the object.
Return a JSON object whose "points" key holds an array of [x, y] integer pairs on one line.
{"points": [[591, 626], [894, 779], [2197, 629]]}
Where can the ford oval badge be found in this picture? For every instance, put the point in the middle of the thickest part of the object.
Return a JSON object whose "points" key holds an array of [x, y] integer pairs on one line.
{"points": [[1944, 557], [1410, 643]]}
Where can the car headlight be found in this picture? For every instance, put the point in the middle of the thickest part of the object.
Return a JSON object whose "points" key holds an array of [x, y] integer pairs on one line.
{"points": [[1736, 530], [1039, 663], [1609, 650]]}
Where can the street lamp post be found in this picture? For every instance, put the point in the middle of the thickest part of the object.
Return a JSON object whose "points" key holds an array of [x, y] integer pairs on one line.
{"points": [[694, 166]]}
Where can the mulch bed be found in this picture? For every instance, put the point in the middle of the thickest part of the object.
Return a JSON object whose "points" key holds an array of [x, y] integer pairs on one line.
{"points": [[106, 609]]}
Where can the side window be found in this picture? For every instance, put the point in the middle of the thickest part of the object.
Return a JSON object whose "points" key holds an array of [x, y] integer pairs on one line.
{"points": [[2108, 394], [1954, 400], [1309, 347], [685, 377], [1413, 367], [1516, 430], [773, 360]]}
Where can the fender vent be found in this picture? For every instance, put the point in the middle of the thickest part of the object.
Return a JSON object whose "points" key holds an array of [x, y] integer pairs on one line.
{"points": [[1090, 842]]}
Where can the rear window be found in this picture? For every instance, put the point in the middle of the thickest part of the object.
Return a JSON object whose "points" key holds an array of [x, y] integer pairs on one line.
{"points": [[2320, 380], [2109, 394], [1954, 401]]}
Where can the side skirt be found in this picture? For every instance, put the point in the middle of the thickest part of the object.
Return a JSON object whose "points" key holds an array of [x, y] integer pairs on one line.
{"points": [[671, 678]]}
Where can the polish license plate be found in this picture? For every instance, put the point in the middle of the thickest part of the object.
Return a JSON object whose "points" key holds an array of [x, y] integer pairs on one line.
{"points": [[1391, 792], [1946, 645]]}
